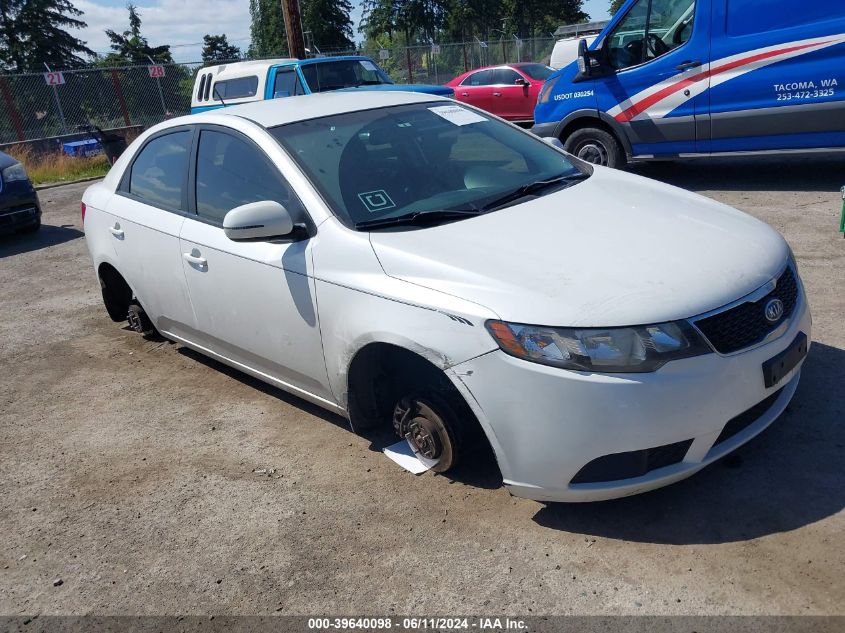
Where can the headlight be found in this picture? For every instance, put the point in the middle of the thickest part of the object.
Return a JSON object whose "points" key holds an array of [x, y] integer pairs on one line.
{"points": [[546, 90], [15, 172], [636, 349]]}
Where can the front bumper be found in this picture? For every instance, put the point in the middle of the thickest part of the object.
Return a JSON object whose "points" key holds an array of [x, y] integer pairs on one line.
{"points": [[19, 206], [545, 130], [547, 424]]}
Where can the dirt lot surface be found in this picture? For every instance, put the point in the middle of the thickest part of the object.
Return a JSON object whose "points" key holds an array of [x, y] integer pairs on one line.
{"points": [[127, 471]]}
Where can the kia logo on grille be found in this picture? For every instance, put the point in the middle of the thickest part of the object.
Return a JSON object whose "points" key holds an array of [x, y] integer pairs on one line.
{"points": [[774, 310]]}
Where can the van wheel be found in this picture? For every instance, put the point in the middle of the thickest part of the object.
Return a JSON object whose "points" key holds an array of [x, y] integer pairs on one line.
{"points": [[432, 428], [596, 146]]}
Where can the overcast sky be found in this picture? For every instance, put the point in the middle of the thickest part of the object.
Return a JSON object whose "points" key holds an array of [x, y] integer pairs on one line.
{"points": [[182, 23]]}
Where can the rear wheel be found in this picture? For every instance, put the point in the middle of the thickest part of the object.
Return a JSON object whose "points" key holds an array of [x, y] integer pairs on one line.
{"points": [[596, 146], [432, 428]]}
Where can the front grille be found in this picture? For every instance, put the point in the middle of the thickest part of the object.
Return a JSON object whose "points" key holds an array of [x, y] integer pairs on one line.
{"points": [[632, 464], [747, 418], [746, 324]]}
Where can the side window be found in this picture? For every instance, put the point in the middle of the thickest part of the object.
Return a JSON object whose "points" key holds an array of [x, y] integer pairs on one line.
{"points": [[649, 30], [287, 83], [237, 88], [505, 76], [208, 80], [309, 72], [158, 172], [232, 172], [481, 78], [201, 88]]}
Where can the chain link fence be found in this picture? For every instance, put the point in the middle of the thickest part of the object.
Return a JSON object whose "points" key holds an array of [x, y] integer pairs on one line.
{"points": [[59, 104]]}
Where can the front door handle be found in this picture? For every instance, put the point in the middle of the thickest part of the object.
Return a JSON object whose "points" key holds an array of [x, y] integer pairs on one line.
{"points": [[195, 259], [497, 94], [689, 65], [464, 94], [116, 231]]}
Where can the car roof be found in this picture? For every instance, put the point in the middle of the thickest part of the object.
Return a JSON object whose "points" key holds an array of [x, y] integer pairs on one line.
{"points": [[273, 112]]}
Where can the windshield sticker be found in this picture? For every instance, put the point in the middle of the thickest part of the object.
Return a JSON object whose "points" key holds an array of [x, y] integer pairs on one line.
{"points": [[376, 201], [368, 65], [458, 115]]}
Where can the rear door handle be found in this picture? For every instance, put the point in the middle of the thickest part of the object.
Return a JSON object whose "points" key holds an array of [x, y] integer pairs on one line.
{"points": [[689, 65], [497, 94], [116, 231], [195, 259], [464, 94]]}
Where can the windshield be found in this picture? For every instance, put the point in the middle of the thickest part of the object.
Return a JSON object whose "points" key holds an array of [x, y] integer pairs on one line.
{"points": [[536, 71], [394, 161], [344, 73]]}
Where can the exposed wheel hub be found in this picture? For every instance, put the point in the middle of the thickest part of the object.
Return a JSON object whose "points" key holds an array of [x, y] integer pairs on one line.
{"points": [[420, 426]]}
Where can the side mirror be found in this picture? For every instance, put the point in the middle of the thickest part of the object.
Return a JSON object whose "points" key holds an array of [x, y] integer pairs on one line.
{"points": [[585, 66], [258, 221], [520, 81]]}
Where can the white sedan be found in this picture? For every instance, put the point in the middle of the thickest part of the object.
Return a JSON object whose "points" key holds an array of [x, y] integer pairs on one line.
{"points": [[404, 260]]}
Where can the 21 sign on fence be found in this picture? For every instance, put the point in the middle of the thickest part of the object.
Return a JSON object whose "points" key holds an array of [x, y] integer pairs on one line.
{"points": [[54, 79]]}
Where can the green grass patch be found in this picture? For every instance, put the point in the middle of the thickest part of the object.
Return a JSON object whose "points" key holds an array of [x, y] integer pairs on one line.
{"points": [[58, 167]]}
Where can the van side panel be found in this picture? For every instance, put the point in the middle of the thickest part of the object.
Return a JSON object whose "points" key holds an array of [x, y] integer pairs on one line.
{"points": [[784, 87]]}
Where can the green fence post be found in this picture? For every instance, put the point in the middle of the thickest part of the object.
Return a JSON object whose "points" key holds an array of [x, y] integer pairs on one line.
{"points": [[842, 219]]}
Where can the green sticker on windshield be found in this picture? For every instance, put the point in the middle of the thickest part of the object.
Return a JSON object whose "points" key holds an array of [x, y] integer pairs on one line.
{"points": [[376, 201]]}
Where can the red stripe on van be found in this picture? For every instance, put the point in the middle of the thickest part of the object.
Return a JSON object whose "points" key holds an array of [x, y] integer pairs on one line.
{"points": [[647, 102]]}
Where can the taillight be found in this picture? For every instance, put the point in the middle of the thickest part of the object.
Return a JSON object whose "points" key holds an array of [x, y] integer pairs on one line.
{"points": [[82, 211]]}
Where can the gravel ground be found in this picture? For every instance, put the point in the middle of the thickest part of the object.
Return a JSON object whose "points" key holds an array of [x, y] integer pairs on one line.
{"points": [[127, 470]]}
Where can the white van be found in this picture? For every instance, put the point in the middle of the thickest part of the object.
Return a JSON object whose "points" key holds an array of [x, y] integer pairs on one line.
{"points": [[566, 48]]}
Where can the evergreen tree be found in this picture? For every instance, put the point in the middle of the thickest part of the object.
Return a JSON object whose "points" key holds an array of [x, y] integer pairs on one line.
{"points": [[328, 24], [538, 18], [32, 33], [130, 47], [420, 21], [267, 30], [216, 48]]}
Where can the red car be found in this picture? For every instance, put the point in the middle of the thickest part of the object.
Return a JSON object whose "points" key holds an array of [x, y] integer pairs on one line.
{"points": [[509, 91]]}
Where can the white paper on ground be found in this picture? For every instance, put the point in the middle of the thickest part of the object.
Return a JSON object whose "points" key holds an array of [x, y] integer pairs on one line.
{"points": [[403, 454], [458, 115]]}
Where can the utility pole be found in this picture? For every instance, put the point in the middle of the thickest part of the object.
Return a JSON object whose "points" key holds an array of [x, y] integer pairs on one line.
{"points": [[293, 28]]}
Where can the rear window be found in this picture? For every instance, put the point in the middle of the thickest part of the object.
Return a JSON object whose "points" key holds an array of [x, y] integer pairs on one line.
{"points": [[345, 73], [236, 88], [758, 16]]}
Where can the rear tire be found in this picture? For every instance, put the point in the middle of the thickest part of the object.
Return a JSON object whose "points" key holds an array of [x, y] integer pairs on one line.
{"points": [[596, 146]]}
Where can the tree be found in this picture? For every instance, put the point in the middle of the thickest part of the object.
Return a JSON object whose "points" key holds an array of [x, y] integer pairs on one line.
{"points": [[533, 18], [267, 30], [327, 24], [130, 47], [615, 5], [418, 20], [32, 33], [216, 48]]}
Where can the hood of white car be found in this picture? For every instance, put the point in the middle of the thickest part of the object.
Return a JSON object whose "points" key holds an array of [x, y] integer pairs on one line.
{"points": [[616, 249]]}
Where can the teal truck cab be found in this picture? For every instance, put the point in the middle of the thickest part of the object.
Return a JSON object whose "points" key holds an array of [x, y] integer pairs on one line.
{"points": [[242, 82]]}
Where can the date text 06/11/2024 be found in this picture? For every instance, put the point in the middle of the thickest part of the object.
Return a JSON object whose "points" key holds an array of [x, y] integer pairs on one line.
{"points": [[415, 624]]}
